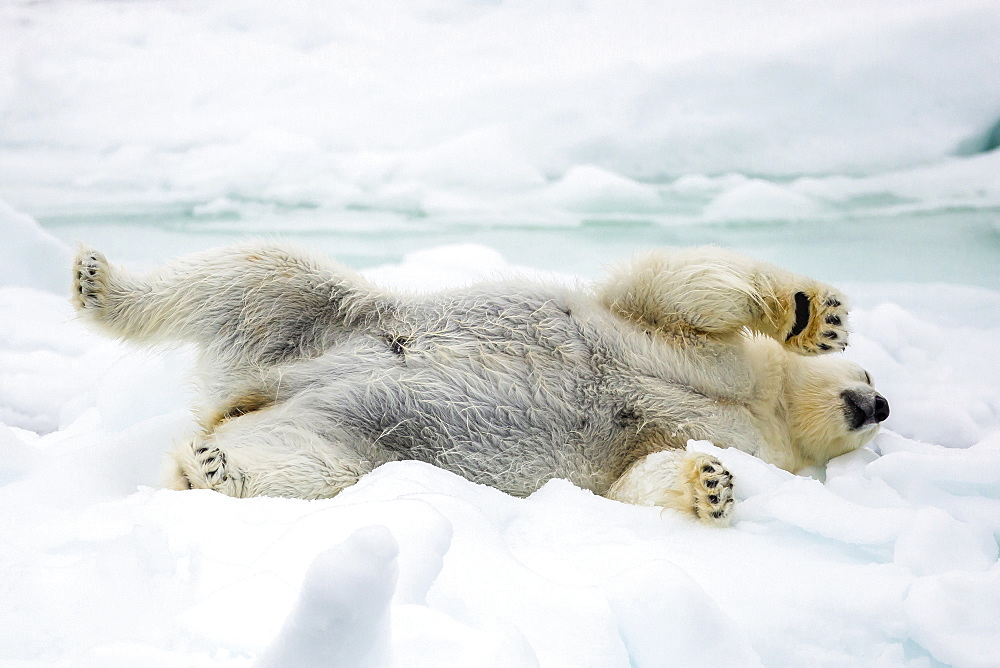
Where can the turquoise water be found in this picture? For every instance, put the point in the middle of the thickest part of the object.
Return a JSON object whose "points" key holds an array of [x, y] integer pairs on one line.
{"points": [[941, 247]]}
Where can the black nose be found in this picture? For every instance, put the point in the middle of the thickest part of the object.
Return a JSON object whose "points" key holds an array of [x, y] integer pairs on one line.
{"points": [[881, 411], [864, 408]]}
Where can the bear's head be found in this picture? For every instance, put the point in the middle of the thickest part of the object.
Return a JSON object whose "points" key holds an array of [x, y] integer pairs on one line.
{"points": [[832, 407]]}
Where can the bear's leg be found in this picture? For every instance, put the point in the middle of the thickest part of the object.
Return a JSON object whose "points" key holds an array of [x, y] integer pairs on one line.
{"points": [[266, 453], [249, 304], [692, 483], [713, 294]]}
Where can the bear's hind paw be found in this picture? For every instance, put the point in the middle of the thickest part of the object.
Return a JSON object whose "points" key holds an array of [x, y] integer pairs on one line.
{"points": [[204, 466], [90, 280], [212, 464]]}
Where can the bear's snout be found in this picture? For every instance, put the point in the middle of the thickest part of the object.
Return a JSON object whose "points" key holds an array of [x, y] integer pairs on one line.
{"points": [[863, 408]]}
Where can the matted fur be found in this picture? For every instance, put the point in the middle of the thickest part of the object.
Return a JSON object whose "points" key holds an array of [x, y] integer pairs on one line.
{"points": [[311, 376]]}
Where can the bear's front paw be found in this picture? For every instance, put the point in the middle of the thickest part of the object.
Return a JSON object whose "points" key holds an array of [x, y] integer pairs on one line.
{"points": [[816, 321], [710, 490], [90, 281]]}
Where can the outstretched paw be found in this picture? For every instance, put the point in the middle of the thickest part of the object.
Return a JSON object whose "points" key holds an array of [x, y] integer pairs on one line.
{"points": [[816, 321], [710, 490], [90, 280]]}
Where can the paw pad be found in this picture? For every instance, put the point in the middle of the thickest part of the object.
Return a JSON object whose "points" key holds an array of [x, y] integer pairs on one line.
{"points": [[90, 281], [210, 465], [819, 324], [711, 491], [205, 466]]}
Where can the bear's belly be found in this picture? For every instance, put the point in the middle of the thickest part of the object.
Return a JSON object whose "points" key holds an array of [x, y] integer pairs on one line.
{"points": [[512, 421], [510, 416]]}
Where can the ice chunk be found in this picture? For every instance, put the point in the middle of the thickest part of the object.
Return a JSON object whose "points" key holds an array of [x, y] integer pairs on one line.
{"points": [[342, 616], [760, 200], [440, 267], [30, 256], [590, 189], [455, 265]]}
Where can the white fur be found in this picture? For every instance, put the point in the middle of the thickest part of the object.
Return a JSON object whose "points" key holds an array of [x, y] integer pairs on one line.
{"points": [[311, 376]]}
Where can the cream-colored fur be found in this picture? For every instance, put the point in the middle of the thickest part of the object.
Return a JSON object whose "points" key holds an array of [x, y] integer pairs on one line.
{"points": [[311, 376]]}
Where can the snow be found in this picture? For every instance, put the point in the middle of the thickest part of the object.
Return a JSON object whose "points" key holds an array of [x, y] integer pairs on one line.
{"points": [[888, 557], [432, 144]]}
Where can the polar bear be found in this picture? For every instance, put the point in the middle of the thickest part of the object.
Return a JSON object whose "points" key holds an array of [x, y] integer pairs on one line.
{"points": [[311, 376]]}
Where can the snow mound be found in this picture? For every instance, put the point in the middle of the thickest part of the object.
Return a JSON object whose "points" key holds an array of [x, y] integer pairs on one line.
{"points": [[760, 200], [590, 189], [457, 264], [342, 616]]}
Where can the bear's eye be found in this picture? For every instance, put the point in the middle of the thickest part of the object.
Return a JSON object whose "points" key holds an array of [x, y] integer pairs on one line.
{"points": [[868, 378]]}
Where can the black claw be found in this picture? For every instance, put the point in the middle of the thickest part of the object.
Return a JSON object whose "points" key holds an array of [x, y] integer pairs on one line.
{"points": [[713, 499], [830, 335], [708, 468], [833, 320], [824, 346], [200, 450], [711, 484], [833, 302], [718, 513]]}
